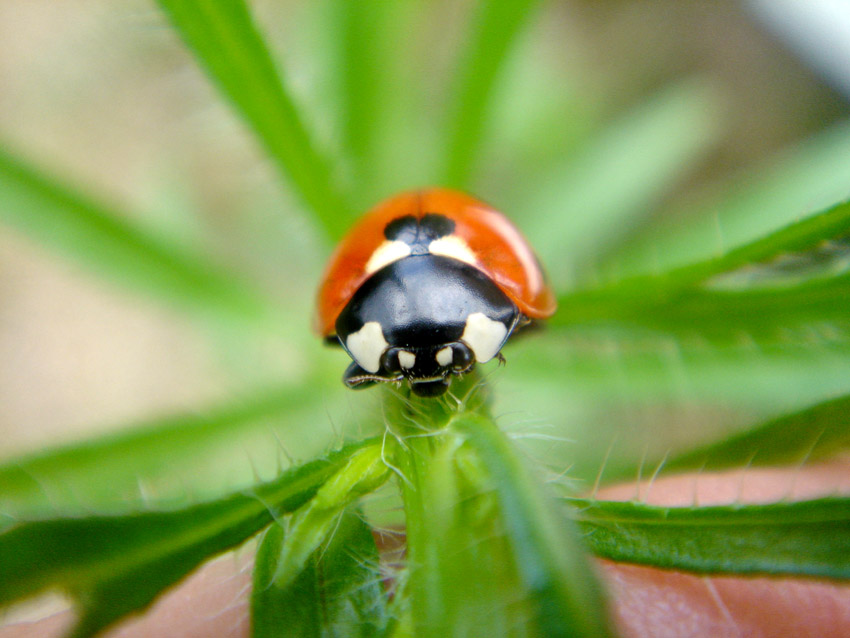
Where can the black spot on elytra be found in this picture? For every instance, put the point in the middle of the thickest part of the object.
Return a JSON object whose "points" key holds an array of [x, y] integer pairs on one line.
{"points": [[401, 229], [419, 233], [437, 225]]}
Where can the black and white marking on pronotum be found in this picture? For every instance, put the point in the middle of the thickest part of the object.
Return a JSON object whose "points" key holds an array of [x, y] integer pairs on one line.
{"points": [[423, 316]]}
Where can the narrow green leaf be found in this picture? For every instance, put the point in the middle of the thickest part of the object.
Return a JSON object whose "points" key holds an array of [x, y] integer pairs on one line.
{"points": [[364, 472], [540, 115], [461, 578], [803, 237], [108, 242], [113, 566], [488, 554], [159, 463], [815, 433], [668, 302], [338, 594], [493, 29], [761, 316], [549, 556], [811, 176], [229, 46], [589, 202], [809, 538], [271, 611], [806, 235], [361, 34], [388, 76]]}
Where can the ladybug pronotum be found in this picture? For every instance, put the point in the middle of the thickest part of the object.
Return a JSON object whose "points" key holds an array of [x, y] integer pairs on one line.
{"points": [[426, 285]]}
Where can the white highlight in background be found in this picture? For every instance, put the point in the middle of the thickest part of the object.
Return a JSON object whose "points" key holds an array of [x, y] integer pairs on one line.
{"points": [[818, 30]]}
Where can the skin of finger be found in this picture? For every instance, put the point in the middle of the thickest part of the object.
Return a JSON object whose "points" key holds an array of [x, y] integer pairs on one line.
{"points": [[212, 602], [645, 601], [666, 603]]}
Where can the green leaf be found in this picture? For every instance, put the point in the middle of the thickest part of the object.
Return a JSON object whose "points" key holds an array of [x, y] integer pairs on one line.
{"points": [[59, 216], [540, 117], [461, 578], [762, 316], [360, 30], [549, 556], [380, 91], [589, 202], [364, 472], [809, 538], [488, 553], [669, 303], [808, 236], [339, 593], [493, 29], [229, 46], [157, 464], [113, 566], [818, 432], [809, 177], [804, 236]]}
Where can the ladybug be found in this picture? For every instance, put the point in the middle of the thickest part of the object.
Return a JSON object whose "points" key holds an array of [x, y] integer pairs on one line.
{"points": [[426, 285]]}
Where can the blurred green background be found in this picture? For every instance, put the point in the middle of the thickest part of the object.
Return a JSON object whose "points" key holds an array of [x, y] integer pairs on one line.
{"points": [[608, 117]]}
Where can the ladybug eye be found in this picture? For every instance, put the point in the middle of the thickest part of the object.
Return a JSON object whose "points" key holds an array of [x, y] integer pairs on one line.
{"points": [[462, 356], [390, 362]]}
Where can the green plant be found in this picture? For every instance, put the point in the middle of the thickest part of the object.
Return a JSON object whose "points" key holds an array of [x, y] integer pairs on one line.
{"points": [[660, 319]]}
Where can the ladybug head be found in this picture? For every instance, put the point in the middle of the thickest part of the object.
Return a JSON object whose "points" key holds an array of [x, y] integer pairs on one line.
{"points": [[427, 368]]}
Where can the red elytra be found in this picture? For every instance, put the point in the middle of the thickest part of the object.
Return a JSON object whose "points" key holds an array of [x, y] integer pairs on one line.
{"points": [[500, 251]]}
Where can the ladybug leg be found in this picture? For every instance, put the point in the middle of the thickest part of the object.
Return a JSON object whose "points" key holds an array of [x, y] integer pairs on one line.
{"points": [[501, 358], [356, 377]]}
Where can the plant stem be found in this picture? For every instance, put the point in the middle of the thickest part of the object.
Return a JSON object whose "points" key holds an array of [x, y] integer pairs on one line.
{"points": [[489, 553]]}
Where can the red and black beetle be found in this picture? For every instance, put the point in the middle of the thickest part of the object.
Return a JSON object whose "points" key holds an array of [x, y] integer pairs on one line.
{"points": [[428, 284]]}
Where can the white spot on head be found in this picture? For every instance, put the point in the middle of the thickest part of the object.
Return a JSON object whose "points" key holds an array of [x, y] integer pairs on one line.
{"points": [[454, 247], [367, 345], [406, 359], [445, 356], [385, 254], [484, 336]]}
